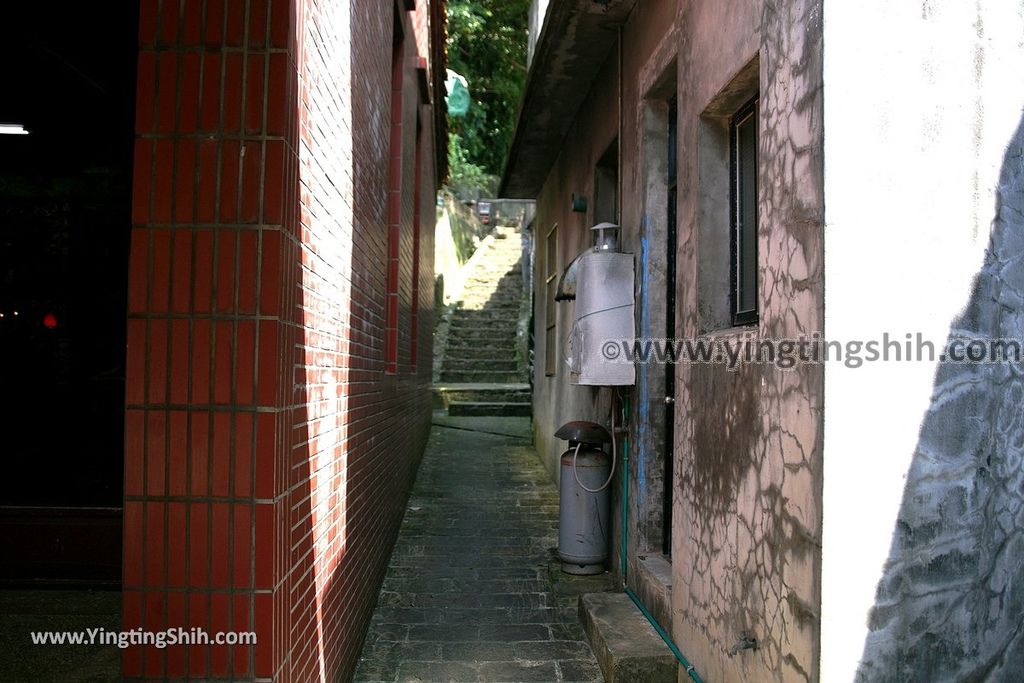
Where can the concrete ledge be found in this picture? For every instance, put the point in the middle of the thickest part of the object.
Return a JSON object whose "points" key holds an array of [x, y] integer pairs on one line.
{"points": [[653, 578], [444, 394], [627, 647], [486, 408]]}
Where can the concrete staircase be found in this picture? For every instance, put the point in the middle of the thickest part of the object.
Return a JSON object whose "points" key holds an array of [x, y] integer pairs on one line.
{"points": [[482, 370]]}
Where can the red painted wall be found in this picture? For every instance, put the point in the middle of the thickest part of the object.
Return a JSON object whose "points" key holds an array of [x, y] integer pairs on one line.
{"points": [[268, 453]]}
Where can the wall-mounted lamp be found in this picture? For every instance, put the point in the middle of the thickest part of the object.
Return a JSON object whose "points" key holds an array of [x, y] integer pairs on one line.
{"points": [[12, 129]]}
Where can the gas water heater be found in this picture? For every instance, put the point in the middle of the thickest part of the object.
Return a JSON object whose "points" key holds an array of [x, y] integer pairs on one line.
{"points": [[604, 316]]}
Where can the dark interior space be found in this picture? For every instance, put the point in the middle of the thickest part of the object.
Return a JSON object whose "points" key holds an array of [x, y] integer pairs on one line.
{"points": [[65, 221]]}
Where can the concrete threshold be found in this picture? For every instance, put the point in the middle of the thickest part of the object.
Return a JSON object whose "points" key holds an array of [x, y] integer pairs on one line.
{"points": [[627, 647]]}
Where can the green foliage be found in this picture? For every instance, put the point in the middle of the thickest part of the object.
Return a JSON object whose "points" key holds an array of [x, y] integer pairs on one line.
{"points": [[486, 44], [464, 175]]}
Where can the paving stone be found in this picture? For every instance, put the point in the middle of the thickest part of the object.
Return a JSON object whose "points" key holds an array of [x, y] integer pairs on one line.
{"points": [[483, 615], [399, 652], [393, 632], [519, 671], [408, 615], [576, 671], [469, 595], [478, 651], [445, 632], [522, 600], [568, 632], [370, 670], [510, 632], [551, 649], [436, 672]]}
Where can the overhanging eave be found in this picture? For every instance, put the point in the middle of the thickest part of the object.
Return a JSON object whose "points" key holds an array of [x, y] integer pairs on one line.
{"points": [[574, 43]]}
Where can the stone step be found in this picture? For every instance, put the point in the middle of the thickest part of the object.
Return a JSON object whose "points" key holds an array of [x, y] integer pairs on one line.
{"points": [[503, 346], [479, 352], [489, 408], [504, 280], [495, 330], [484, 308], [494, 322], [480, 360], [476, 337], [489, 313], [502, 295], [475, 376], [489, 304], [487, 352], [626, 645], [498, 338], [489, 294], [445, 394], [482, 333], [452, 363], [497, 268]]}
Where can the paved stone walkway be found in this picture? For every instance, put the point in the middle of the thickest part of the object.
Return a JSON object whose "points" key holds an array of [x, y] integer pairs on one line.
{"points": [[469, 594]]}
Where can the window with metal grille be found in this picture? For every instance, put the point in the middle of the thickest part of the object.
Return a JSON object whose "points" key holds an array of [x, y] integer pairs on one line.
{"points": [[743, 200]]}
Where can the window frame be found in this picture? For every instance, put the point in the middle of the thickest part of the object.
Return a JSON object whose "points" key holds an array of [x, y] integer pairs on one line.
{"points": [[737, 229], [550, 312]]}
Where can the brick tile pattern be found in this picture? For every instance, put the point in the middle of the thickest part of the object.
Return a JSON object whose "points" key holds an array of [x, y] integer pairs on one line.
{"points": [[468, 595], [267, 454]]}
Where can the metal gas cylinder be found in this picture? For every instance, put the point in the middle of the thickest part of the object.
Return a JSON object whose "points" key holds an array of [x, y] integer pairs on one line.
{"points": [[585, 498]]}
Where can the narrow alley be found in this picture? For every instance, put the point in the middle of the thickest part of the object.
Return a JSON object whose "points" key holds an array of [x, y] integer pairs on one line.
{"points": [[472, 592]]}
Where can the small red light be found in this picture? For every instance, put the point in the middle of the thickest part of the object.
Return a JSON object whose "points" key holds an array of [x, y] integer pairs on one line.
{"points": [[50, 321]]}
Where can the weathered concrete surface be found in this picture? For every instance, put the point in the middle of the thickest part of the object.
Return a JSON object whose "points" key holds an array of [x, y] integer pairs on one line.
{"points": [[469, 595], [627, 647], [923, 484], [747, 518]]}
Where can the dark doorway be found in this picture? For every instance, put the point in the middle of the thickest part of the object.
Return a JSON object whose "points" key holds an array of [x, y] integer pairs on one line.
{"points": [[670, 324], [65, 223]]}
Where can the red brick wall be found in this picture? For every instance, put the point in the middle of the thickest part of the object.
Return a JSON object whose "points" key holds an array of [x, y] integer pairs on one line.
{"points": [[268, 455]]}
